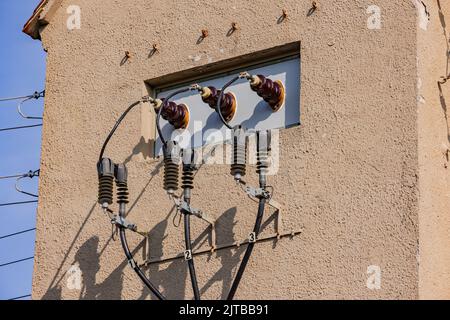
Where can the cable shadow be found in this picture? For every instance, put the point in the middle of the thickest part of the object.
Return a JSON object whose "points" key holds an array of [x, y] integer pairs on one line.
{"points": [[444, 108], [88, 260], [230, 258], [260, 113], [445, 78], [169, 278], [54, 291], [447, 40], [142, 147]]}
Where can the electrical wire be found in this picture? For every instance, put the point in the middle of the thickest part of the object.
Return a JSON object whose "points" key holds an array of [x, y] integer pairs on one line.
{"points": [[188, 243], [11, 177], [15, 203], [16, 233], [29, 174], [248, 251], [16, 261], [36, 95], [135, 266], [116, 125], [23, 97], [21, 297], [219, 101], [21, 127]]}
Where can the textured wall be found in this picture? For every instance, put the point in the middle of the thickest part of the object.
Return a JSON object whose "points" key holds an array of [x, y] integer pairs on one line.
{"points": [[434, 148], [348, 176]]}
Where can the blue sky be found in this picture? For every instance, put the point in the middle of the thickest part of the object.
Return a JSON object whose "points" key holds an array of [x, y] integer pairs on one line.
{"points": [[22, 71]]}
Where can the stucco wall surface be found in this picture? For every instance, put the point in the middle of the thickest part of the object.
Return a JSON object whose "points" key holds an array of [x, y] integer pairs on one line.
{"points": [[348, 175], [434, 147]]}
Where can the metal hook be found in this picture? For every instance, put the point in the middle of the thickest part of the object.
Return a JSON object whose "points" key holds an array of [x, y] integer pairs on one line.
{"points": [[30, 175], [36, 96]]}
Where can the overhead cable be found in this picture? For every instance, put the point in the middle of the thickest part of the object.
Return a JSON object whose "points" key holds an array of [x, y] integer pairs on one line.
{"points": [[17, 233]]}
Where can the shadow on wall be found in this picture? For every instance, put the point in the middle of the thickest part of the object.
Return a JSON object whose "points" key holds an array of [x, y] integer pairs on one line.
{"points": [[89, 250], [228, 258], [445, 78], [143, 147], [170, 278]]}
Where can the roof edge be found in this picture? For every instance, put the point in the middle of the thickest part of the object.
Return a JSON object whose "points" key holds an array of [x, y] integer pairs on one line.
{"points": [[41, 16]]}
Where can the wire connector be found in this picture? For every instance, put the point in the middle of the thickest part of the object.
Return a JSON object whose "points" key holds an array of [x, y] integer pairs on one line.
{"points": [[257, 193], [122, 222]]}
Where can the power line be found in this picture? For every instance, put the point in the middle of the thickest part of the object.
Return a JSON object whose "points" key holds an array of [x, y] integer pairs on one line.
{"points": [[16, 261], [15, 98], [16, 233], [11, 177], [21, 127], [30, 174], [15, 203], [35, 95], [21, 297]]}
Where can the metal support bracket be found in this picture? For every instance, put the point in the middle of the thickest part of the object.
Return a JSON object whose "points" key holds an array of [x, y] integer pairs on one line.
{"points": [[185, 208], [236, 245], [122, 222], [257, 192]]}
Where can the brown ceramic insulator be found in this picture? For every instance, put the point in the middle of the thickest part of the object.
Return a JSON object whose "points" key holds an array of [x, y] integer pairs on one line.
{"points": [[271, 91], [176, 114], [227, 105]]}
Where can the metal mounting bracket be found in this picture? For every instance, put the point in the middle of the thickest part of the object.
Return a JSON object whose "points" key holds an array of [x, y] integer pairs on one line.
{"points": [[257, 192], [122, 222], [236, 245], [185, 208]]}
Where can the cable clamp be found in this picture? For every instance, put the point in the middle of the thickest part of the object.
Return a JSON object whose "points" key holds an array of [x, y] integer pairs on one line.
{"points": [[122, 222], [37, 95], [257, 192], [31, 174], [195, 87], [187, 209], [245, 75]]}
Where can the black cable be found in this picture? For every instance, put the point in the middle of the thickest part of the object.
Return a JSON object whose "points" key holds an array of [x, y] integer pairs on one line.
{"points": [[16, 233], [219, 101], [102, 151], [123, 238], [21, 297], [15, 203], [135, 266], [21, 127], [163, 105], [16, 261], [188, 242], [248, 251]]}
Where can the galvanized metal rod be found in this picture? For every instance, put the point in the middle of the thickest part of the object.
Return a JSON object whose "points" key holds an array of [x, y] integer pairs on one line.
{"points": [[219, 247]]}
